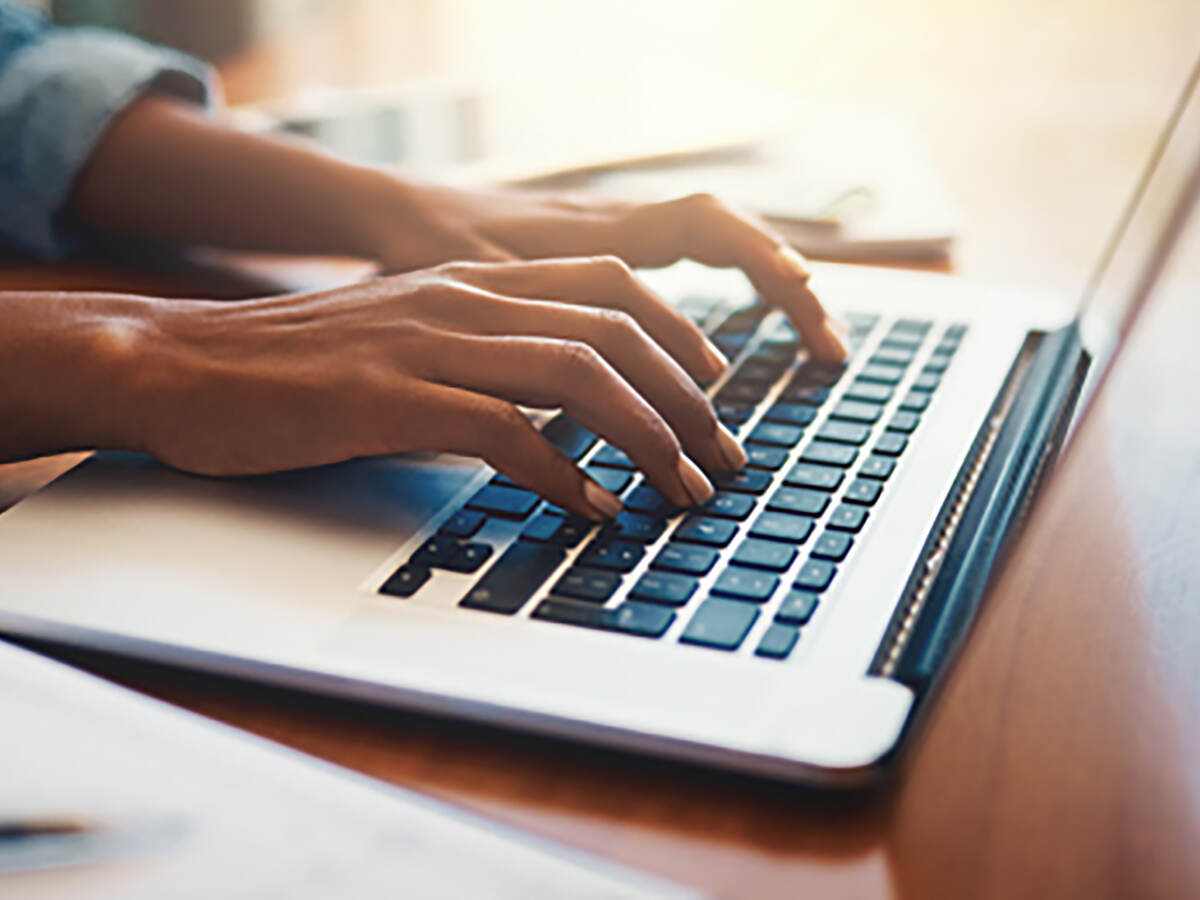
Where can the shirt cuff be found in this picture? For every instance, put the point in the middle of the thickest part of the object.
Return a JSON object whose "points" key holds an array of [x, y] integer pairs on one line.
{"points": [[57, 96]]}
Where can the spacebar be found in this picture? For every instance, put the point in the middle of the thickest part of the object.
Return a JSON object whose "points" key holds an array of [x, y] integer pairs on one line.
{"points": [[511, 581]]}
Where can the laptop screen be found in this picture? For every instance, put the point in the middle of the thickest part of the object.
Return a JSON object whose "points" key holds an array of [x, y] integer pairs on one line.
{"points": [[1149, 225]]}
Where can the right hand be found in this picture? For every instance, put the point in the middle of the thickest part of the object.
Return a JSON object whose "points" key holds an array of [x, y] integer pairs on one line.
{"points": [[435, 360]]}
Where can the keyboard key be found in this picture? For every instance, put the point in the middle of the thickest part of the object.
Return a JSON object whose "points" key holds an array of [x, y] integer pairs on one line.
{"points": [[436, 551], [746, 584], [815, 575], [848, 518], [771, 555], [743, 392], [514, 577], [927, 381], [778, 640], [881, 374], [868, 392], [463, 523], [892, 356], [593, 585], [615, 480], [860, 323], [638, 619], [903, 341], [797, 607], [828, 454], [568, 436], [728, 505], [760, 456], [905, 422], [469, 557], [747, 481], [956, 331], [608, 455], [621, 556], [799, 414], [938, 363], [802, 501], [405, 581], [699, 529], [685, 558], [833, 545], [734, 414], [631, 526], [864, 491], [509, 503], [844, 432], [857, 411], [815, 476], [665, 588], [645, 499], [818, 374], [808, 394], [776, 435], [891, 443], [777, 526], [878, 467], [760, 371], [566, 531], [915, 401], [720, 624], [911, 326]]}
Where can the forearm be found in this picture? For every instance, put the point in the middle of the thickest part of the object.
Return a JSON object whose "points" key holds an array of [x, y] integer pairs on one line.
{"points": [[166, 172], [68, 369]]}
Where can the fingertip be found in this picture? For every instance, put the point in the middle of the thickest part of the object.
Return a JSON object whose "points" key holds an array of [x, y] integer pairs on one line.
{"points": [[714, 360], [604, 503]]}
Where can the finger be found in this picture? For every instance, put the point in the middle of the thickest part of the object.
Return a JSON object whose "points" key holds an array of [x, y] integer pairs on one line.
{"points": [[606, 282], [439, 246], [622, 343], [700, 227], [459, 421], [572, 375]]}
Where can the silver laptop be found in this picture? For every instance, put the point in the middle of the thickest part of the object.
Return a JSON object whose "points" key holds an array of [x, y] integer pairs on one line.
{"points": [[792, 627]]}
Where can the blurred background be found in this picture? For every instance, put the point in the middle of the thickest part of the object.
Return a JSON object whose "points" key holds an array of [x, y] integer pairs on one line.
{"points": [[1035, 113]]}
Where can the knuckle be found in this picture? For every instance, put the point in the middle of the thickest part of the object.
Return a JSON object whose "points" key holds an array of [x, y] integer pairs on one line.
{"points": [[503, 421], [613, 268], [702, 202], [580, 360], [619, 324]]}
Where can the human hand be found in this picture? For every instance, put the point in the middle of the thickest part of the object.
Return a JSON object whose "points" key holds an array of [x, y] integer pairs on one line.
{"points": [[435, 361], [418, 225]]}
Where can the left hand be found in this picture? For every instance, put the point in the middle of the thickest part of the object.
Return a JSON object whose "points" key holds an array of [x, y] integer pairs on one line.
{"points": [[421, 225]]}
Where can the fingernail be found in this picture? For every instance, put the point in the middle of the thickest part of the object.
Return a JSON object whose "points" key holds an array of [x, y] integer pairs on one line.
{"points": [[731, 450], [714, 358], [696, 483], [794, 262], [604, 502]]}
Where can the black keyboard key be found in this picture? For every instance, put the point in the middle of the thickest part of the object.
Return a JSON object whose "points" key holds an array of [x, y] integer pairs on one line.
{"points": [[802, 501], [685, 558], [509, 503], [568, 436], [911, 326], [927, 381], [868, 392], [759, 371], [891, 443], [938, 363], [864, 491], [904, 422], [734, 414], [746, 584], [892, 356], [741, 392], [815, 575], [664, 587], [857, 411], [747, 481], [631, 526], [771, 555], [878, 467], [956, 331], [638, 619], [776, 435], [902, 341], [592, 585], [566, 531], [621, 556], [463, 523], [777, 526], [608, 455], [881, 374], [436, 551], [807, 394], [798, 414], [615, 480], [827, 454], [760, 456], [915, 401], [815, 476], [844, 432], [728, 505], [778, 640], [720, 624], [645, 499], [818, 374], [848, 518], [833, 545], [797, 607], [405, 581], [514, 577], [697, 529], [469, 557]]}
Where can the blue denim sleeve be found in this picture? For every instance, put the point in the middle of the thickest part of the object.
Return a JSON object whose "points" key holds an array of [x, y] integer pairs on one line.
{"points": [[59, 89]]}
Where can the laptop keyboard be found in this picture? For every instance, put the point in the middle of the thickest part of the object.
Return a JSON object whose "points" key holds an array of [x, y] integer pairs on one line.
{"points": [[822, 442]]}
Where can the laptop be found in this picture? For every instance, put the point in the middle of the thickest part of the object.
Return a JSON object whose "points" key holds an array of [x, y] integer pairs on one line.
{"points": [[792, 627]]}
